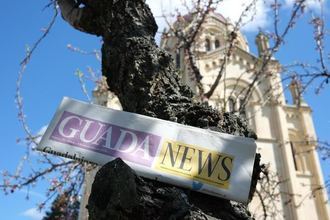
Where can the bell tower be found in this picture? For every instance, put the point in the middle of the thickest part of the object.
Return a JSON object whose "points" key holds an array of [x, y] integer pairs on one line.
{"points": [[286, 134]]}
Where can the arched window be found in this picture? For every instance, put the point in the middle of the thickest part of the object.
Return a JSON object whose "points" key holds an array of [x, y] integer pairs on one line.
{"points": [[297, 160], [177, 59], [242, 107], [231, 105], [217, 44], [207, 45]]}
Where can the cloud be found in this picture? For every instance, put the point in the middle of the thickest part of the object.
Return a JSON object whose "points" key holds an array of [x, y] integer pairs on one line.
{"points": [[254, 19], [232, 10], [41, 132], [311, 4], [31, 193], [228, 8], [159, 7], [163, 7], [33, 213]]}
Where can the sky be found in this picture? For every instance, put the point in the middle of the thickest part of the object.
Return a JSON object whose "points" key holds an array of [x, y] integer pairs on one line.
{"points": [[51, 75]]}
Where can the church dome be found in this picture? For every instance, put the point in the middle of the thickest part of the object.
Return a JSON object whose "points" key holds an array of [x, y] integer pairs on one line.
{"points": [[215, 30], [216, 24]]}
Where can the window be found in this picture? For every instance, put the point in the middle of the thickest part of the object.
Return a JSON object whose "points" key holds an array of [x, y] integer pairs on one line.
{"points": [[242, 107], [231, 105], [177, 59], [207, 45], [296, 158], [217, 44]]}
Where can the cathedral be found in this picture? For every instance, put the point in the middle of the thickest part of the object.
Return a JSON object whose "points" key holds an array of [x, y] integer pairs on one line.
{"points": [[292, 186]]}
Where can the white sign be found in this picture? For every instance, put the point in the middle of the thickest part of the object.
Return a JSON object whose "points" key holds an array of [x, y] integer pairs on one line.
{"points": [[203, 160]]}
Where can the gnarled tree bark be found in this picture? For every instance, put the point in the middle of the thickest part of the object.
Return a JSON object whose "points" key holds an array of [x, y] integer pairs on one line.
{"points": [[118, 193], [144, 76]]}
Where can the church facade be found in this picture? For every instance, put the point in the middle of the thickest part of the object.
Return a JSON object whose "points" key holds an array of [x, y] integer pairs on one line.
{"points": [[292, 187]]}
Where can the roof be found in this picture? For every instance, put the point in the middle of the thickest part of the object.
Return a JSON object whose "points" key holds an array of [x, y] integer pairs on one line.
{"points": [[189, 17], [185, 20]]}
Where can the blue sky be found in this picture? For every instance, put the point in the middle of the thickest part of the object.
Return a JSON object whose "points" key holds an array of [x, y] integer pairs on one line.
{"points": [[50, 76]]}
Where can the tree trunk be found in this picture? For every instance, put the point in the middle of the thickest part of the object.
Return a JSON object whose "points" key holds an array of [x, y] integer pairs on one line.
{"points": [[146, 81], [118, 193]]}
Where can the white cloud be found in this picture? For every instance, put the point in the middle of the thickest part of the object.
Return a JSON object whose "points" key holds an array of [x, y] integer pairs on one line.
{"points": [[166, 6], [311, 4], [228, 8], [32, 193], [163, 7], [254, 19], [33, 213], [41, 132]]}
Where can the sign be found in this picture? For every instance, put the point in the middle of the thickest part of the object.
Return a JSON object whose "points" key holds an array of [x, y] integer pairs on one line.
{"points": [[203, 160]]}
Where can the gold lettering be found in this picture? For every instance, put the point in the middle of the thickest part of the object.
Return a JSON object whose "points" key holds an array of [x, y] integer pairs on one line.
{"points": [[171, 155], [185, 158], [226, 168], [194, 162]]}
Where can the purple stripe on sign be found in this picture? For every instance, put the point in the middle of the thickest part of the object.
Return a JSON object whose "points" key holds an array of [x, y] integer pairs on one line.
{"points": [[130, 145]]}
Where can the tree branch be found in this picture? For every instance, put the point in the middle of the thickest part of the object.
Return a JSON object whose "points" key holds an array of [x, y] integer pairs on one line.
{"points": [[81, 18]]}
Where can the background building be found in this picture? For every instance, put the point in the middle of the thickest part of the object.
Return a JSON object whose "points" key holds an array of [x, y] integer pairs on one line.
{"points": [[292, 189]]}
